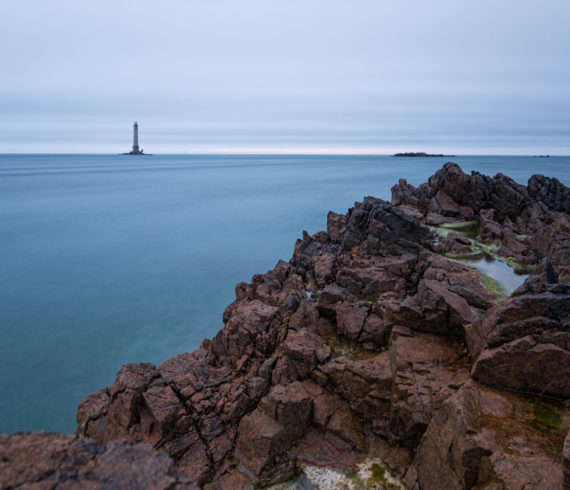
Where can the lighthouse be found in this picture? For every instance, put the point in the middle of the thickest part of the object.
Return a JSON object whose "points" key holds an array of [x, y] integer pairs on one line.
{"points": [[136, 150]]}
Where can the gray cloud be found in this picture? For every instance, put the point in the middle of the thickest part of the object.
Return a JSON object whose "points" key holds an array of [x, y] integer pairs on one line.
{"points": [[203, 76]]}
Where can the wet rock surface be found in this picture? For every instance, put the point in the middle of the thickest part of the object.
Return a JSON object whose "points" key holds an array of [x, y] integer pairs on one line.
{"points": [[370, 343]]}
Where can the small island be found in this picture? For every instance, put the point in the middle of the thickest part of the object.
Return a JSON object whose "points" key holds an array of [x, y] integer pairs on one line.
{"points": [[421, 154]]}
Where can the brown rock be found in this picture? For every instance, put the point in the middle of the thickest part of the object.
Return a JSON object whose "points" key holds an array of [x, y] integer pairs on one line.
{"points": [[365, 385], [524, 344], [444, 311], [298, 356], [260, 439], [248, 322], [42, 460], [420, 385], [267, 389], [92, 414], [529, 364], [482, 437], [291, 406], [335, 225], [350, 318], [324, 269]]}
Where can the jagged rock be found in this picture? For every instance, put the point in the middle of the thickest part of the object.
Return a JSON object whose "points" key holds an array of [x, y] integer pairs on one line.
{"points": [[444, 311], [350, 319], [485, 439], [454, 243], [43, 460], [375, 350], [525, 223], [299, 355], [551, 192], [420, 385], [246, 325], [281, 418], [364, 384], [524, 344], [528, 365], [291, 406]]}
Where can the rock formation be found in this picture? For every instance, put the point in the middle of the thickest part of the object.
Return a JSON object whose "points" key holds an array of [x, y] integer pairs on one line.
{"points": [[42, 460], [369, 343]]}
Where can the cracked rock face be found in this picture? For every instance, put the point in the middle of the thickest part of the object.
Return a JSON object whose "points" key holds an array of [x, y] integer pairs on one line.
{"points": [[42, 460], [382, 350], [396, 352]]}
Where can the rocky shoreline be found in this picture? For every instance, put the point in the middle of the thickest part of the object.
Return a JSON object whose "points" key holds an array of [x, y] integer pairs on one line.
{"points": [[372, 347]]}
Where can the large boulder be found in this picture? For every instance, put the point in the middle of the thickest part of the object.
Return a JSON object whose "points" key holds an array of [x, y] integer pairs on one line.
{"points": [[483, 438], [420, 382], [524, 344]]}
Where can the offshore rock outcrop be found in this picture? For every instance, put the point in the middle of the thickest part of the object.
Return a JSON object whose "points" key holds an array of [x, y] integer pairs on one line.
{"points": [[369, 343]]}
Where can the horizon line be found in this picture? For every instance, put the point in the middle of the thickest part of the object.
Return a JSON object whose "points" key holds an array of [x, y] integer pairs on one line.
{"points": [[293, 153]]}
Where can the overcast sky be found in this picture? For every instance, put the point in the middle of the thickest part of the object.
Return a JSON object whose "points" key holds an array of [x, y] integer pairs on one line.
{"points": [[358, 76]]}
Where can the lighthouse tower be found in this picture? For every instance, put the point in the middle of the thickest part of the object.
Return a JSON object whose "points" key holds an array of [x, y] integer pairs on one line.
{"points": [[136, 150], [136, 138]]}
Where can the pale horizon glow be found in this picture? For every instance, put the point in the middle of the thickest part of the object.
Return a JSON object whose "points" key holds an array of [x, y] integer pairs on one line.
{"points": [[319, 77]]}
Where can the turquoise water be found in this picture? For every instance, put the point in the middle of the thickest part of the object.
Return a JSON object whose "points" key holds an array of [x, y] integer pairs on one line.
{"points": [[110, 259]]}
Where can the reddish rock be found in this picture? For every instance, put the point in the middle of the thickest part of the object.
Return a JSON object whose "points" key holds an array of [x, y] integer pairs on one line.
{"points": [[375, 353], [328, 450], [92, 414], [298, 356], [375, 330], [454, 243], [261, 439], [238, 337], [444, 312], [482, 438], [420, 385], [528, 364], [524, 344], [350, 319], [365, 385], [291, 406], [42, 460], [324, 269], [335, 225]]}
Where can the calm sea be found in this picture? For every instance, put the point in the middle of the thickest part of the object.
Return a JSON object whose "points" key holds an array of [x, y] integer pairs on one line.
{"points": [[107, 259]]}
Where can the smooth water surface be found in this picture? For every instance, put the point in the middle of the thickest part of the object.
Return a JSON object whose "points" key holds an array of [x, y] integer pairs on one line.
{"points": [[108, 259]]}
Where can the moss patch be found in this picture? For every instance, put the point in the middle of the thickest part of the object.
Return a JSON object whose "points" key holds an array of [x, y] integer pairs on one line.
{"points": [[546, 416], [493, 287], [316, 294], [540, 423], [468, 228], [379, 479], [488, 248], [460, 225], [518, 268]]}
